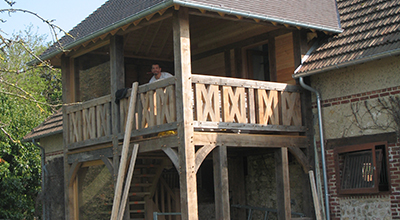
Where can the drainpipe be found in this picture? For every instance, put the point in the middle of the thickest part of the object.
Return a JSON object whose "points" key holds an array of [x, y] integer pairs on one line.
{"points": [[44, 170], [321, 136]]}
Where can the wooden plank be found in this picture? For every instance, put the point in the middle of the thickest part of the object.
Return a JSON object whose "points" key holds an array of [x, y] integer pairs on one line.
{"points": [[246, 83], [221, 183], [317, 205], [251, 106], [124, 153], [128, 181], [246, 126], [248, 140], [282, 183], [182, 57]]}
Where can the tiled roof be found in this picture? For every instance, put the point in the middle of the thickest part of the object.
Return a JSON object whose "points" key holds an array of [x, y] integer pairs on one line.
{"points": [[320, 15], [52, 125], [371, 30]]}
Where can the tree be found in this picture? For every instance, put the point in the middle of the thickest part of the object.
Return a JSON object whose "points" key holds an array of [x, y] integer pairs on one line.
{"points": [[28, 95]]}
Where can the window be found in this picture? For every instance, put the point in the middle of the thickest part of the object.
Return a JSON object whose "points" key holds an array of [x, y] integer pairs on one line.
{"points": [[362, 168]]}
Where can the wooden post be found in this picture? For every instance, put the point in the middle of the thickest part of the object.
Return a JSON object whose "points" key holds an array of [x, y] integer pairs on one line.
{"points": [[221, 183], [282, 183], [187, 164], [117, 78]]}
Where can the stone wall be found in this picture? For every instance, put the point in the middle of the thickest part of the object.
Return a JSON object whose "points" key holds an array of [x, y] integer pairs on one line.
{"points": [[95, 82], [351, 108], [261, 184]]}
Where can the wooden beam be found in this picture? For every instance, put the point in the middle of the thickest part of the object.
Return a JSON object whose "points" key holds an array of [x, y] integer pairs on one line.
{"points": [[117, 78], [187, 177], [89, 49], [157, 143], [248, 140], [108, 164], [282, 183], [221, 183], [301, 158], [240, 44], [202, 153], [173, 156]]}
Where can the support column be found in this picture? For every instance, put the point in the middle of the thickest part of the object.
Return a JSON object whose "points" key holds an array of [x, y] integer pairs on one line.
{"points": [[221, 183], [117, 80], [282, 184], [187, 163]]}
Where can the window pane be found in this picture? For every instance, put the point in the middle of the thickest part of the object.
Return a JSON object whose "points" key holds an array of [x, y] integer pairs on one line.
{"points": [[358, 170]]}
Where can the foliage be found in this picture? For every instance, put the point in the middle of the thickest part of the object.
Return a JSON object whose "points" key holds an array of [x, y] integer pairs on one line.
{"points": [[28, 95]]}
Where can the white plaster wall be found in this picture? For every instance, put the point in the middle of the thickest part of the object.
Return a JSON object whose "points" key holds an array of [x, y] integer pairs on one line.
{"points": [[51, 144], [371, 76], [339, 120]]}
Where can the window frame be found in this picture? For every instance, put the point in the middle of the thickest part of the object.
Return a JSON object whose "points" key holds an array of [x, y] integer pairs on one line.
{"points": [[340, 151]]}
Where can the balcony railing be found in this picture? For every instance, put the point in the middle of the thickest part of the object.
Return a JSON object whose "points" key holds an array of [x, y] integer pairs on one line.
{"points": [[219, 103]]}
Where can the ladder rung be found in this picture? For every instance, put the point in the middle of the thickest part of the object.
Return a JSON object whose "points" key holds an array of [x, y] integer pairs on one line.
{"points": [[136, 202], [137, 211], [143, 175], [140, 184], [139, 193]]}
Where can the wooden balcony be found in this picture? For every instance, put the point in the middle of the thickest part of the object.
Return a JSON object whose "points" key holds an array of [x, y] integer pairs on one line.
{"points": [[220, 105]]}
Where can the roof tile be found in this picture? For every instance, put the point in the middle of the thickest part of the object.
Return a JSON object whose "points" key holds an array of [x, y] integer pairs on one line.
{"points": [[371, 27]]}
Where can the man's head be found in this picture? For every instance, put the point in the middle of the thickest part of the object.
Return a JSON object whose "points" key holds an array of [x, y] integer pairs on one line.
{"points": [[156, 69]]}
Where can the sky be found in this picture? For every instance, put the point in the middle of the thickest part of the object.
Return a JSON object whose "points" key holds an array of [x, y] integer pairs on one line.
{"points": [[66, 13]]}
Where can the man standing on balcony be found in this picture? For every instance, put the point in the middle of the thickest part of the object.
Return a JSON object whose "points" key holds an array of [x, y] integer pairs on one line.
{"points": [[157, 74]]}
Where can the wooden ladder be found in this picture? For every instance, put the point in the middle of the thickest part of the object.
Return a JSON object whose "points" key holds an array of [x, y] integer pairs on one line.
{"points": [[144, 182]]}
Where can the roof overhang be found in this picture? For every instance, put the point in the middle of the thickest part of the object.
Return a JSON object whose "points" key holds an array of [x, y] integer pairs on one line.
{"points": [[170, 3]]}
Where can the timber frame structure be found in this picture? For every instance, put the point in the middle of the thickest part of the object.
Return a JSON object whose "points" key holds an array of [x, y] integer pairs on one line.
{"points": [[201, 114]]}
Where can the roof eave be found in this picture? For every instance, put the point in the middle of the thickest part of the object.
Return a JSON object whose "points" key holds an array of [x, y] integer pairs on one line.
{"points": [[42, 136], [258, 17], [382, 55], [170, 3]]}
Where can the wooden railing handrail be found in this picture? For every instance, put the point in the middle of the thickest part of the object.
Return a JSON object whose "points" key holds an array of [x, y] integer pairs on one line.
{"points": [[219, 103], [88, 104], [245, 83]]}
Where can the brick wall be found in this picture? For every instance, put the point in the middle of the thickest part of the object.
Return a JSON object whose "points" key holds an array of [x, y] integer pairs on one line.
{"points": [[380, 206]]}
